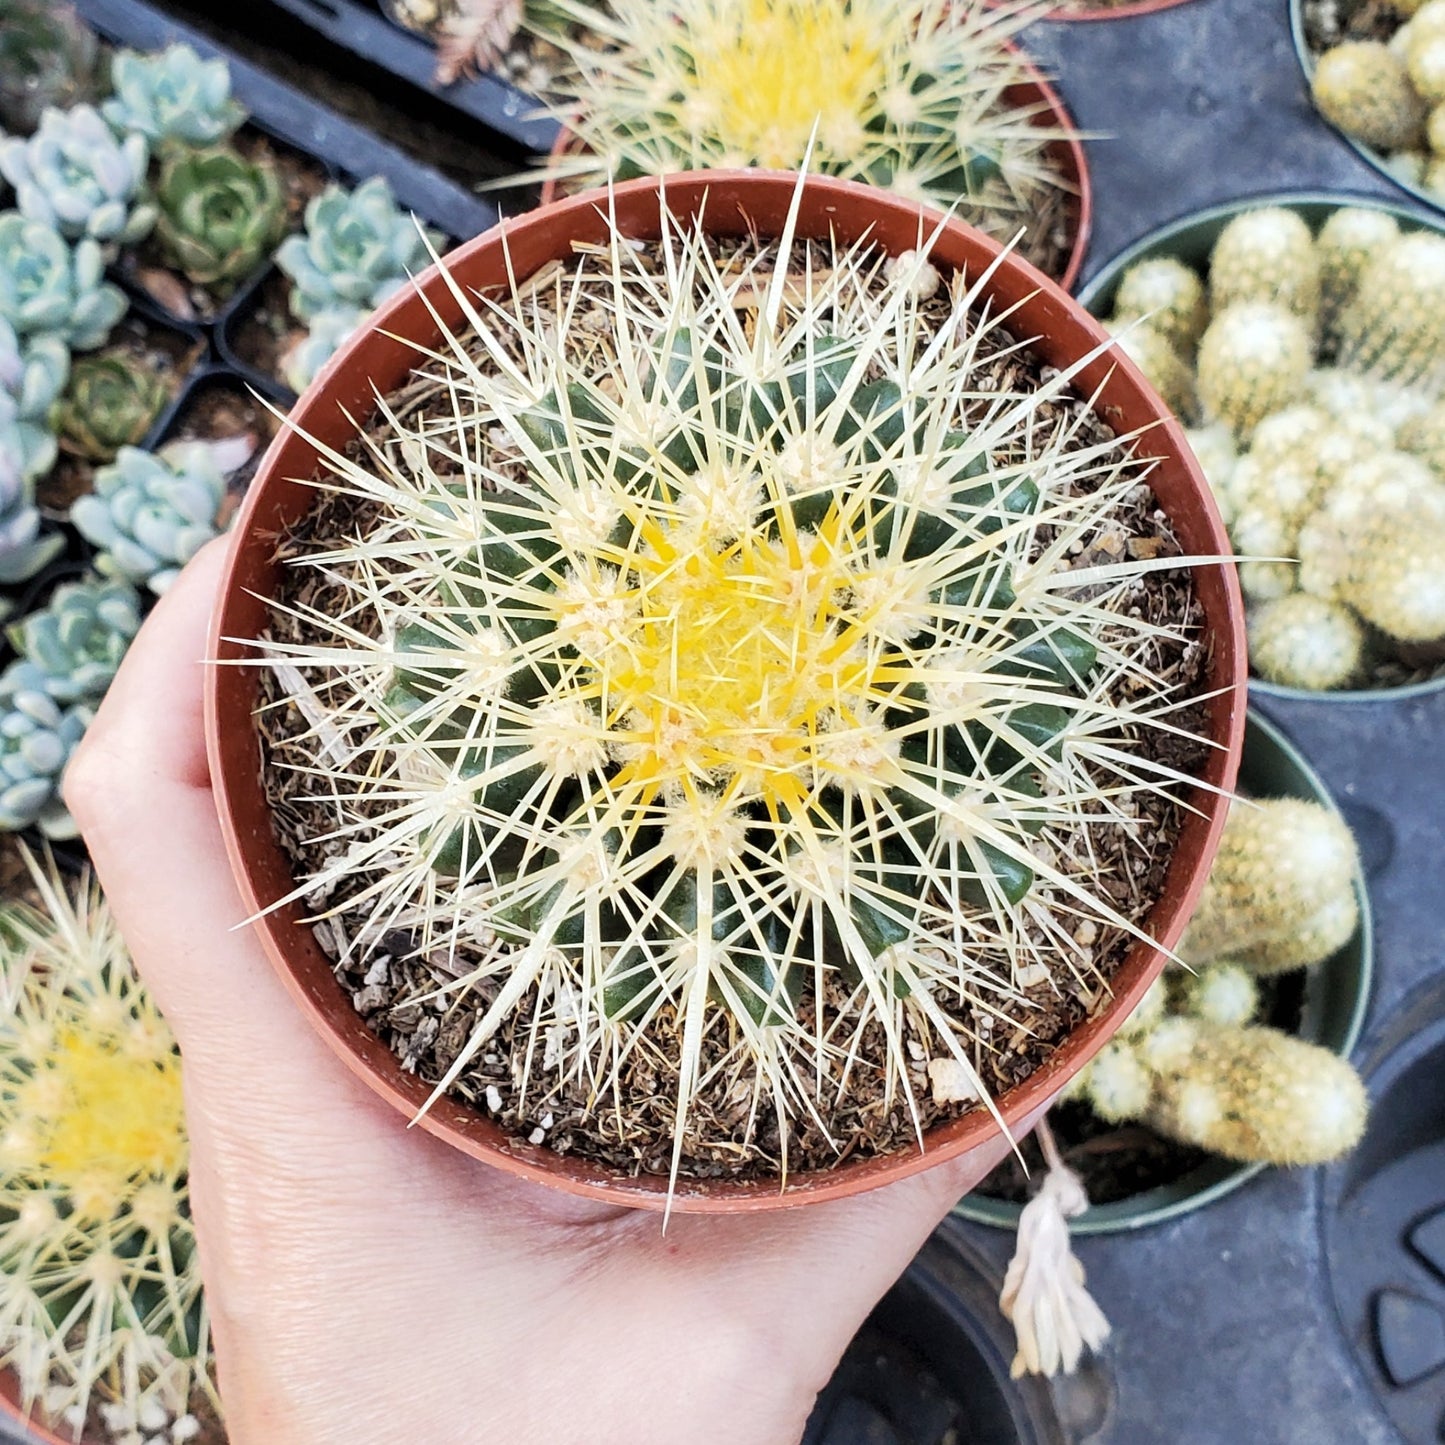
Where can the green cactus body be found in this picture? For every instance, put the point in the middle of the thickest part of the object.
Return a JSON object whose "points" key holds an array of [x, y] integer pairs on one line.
{"points": [[111, 402], [73, 647], [1345, 245], [1161, 364], [48, 288], [173, 98], [357, 250], [1256, 1094], [1224, 994], [1395, 325], [1424, 436], [74, 175], [219, 215], [37, 738], [1213, 448], [1253, 360], [1169, 297], [1304, 640], [1265, 255], [1365, 89], [1281, 861]]}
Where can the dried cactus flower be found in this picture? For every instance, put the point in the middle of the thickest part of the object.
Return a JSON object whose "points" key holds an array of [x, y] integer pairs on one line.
{"points": [[1364, 88], [48, 287], [73, 174], [475, 37], [151, 513], [172, 98], [102, 1299], [37, 738], [219, 215], [724, 663], [23, 550], [1256, 1094], [1169, 296], [324, 335], [1302, 640], [72, 648], [1394, 327], [357, 250], [47, 58], [1281, 862], [111, 402], [33, 373], [907, 94], [1265, 254], [1253, 360]]}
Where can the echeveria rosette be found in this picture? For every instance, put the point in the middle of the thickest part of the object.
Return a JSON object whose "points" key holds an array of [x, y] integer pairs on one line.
{"points": [[111, 402], [328, 329], [357, 249], [172, 98], [220, 215], [151, 513], [72, 648], [37, 737], [48, 287], [75, 175], [32, 376], [23, 550]]}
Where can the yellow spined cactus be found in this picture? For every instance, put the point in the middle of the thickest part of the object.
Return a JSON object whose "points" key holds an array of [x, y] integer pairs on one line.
{"points": [[1118, 1085], [1170, 296], [1265, 254], [1396, 580], [1364, 88], [1302, 640], [1424, 436], [1164, 369], [1345, 244], [1224, 994], [1263, 536], [1394, 327], [1253, 360]]}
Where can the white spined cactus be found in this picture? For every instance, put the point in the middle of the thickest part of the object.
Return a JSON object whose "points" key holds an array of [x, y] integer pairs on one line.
{"points": [[1364, 88], [1394, 327], [1348, 240], [1164, 369], [1266, 254], [1118, 1084], [1224, 994], [1265, 541], [1281, 862], [1169, 296], [1306, 641], [1253, 360], [1214, 450], [726, 666], [1424, 436]]}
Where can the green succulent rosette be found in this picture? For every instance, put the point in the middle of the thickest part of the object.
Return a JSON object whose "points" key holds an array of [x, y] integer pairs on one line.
{"points": [[172, 98], [110, 403]]}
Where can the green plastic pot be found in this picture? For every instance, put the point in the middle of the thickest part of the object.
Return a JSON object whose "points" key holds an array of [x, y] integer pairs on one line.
{"points": [[1336, 999], [1191, 240], [1368, 154]]}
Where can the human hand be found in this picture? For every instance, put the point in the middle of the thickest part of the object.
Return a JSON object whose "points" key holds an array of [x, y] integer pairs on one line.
{"points": [[369, 1284]]}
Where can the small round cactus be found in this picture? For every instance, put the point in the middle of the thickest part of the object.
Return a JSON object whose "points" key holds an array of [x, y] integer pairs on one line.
{"points": [[48, 288], [1253, 360], [150, 514], [1425, 64], [74, 174], [1223, 994], [1347, 241], [1169, 296], [1280, 863], [1256, 1094], [172, 98], [1161, 364], [1303, 640], [1263, 536], [1397, 579], [1266, 254], [37, 738], [1364, 88], [1394, 327], [1118, 1085], [1213, 448]]}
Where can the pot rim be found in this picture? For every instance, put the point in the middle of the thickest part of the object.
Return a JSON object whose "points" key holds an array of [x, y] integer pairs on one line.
{"points": [[1070, 145], [1218, 1177], [848, 210]]}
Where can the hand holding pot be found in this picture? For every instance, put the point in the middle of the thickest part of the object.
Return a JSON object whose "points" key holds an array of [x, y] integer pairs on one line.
{"points": [[366, 1282]]}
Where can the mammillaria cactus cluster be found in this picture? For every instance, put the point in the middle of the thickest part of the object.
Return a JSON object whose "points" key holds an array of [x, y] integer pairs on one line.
{"points": [[1391, 95], [100, 1296], [1191, 1062], [1312, 379]]}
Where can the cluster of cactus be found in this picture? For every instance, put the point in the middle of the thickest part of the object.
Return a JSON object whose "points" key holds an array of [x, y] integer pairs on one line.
{"points": [[67, 655], [1311, 372], [907, 94], [101, 1307], [150, 513], [358, 248], [738, 670], [1191, 1061], [1391, 95]]}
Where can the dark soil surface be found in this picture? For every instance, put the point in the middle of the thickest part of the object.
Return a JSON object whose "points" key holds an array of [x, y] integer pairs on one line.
{"points": [[263, 329]]}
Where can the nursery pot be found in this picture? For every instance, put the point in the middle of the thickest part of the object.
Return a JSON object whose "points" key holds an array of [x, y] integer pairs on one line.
{"points": [[1191, 240], [1332, 1013], [380, 356], [1033, 94]]}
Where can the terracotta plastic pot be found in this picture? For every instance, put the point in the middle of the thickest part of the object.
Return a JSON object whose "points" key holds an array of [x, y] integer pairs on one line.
{"points": [[1332, 1013], [1191, 240], [1035, 94], [379, 357], [29, 1427]]}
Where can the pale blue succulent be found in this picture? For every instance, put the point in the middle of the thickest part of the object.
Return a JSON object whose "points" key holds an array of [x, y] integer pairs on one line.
{"points": [[48, 287], [75, 175], [326, 332], [358, 248], [172, 97], [151, 513], [37, 738], [71, 650], [32, 376], [23, 550]]}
